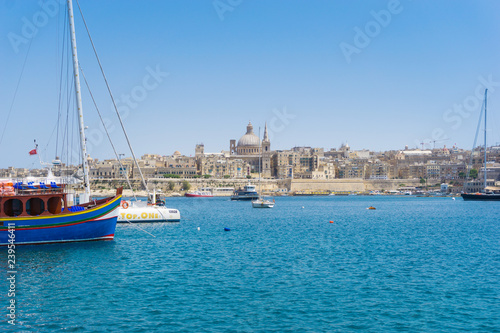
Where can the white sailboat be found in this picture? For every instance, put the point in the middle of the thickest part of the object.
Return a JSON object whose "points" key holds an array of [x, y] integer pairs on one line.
{"points": [[489, 193], [262, 201]]}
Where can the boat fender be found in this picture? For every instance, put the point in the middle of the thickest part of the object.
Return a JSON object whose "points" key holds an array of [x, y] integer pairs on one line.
{"points": [[124, 205]]}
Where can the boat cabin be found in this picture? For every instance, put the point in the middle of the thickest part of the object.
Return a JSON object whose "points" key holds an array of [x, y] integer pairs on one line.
{"points": [[31, 200]]}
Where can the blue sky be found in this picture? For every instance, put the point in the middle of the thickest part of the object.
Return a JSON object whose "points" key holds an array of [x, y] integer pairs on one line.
{"points": [[413, 75]]}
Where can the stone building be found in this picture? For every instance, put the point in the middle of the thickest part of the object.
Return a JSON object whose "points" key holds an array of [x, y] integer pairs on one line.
{"points": [[249, 149]]}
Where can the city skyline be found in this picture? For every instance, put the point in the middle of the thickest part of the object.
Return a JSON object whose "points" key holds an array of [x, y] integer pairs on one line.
{"points": [[378, 75]]}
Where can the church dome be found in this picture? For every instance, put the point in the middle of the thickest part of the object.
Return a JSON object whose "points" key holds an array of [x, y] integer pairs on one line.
{"points": [[249, 139]]}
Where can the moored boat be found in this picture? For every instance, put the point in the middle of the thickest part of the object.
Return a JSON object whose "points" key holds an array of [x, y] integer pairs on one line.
{"points": [[141, 212], [42, 213], [263, 202], [247, 193], [199, 194], [152, 210], [490, 193], [37, 216]]}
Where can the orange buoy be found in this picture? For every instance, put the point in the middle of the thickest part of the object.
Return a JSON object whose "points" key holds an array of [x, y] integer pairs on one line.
{"points": [[331, 221]]}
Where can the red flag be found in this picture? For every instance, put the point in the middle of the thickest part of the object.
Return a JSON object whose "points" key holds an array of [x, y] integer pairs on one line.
{"points": [[32, 152]]}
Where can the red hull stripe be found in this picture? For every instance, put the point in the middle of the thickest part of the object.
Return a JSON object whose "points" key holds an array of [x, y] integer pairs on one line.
{"points": [[102, 238]]}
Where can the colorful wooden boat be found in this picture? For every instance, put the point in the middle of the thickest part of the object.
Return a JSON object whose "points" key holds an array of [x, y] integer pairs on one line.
{"points": [[37, 216]]}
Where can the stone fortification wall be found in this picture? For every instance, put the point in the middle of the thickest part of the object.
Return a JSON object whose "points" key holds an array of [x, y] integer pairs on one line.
{"points": [[268, 185], [350, 185]]}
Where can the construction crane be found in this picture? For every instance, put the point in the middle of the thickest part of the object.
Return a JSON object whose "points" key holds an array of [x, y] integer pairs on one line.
{"points": [[434, 142]]}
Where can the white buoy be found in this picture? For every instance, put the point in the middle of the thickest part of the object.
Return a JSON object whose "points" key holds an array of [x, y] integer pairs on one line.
{"points": [[198, 228], [453, 198], [302, 207]]}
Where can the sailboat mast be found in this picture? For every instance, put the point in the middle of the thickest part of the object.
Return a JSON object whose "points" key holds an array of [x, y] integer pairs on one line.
{"points": [[76, 72], [485, 124], [260, 161]]}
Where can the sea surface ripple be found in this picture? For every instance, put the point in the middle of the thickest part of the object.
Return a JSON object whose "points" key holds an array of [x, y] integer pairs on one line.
{"points": [[411, 265]]}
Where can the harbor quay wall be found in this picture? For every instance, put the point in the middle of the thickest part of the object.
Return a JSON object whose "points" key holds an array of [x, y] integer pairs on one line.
{"points": [[351, 185], [267, 185]]}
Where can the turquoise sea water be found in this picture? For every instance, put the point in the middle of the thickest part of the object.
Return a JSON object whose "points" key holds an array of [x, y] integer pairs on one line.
{"points": [[413, 264]]}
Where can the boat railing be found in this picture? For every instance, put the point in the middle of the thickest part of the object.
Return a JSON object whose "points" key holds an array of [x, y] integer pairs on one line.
{"points": [[31, 189]]}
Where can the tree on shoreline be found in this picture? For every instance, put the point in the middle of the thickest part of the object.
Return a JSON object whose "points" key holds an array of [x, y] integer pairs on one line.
{"points": [[185, 185]]}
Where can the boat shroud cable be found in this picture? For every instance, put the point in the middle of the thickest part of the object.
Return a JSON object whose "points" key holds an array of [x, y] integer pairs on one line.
{"points": [[107, 133], [113, 100]]}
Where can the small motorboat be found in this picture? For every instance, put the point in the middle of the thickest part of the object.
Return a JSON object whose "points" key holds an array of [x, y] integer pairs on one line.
{"points": [[199, 194], [262, 202]]}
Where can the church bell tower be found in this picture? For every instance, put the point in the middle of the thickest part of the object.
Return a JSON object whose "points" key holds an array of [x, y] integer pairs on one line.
{"points": [[266, 155]]}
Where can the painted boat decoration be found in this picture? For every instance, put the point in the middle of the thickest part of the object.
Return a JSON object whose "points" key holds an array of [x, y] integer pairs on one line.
{"points": [[36, 216]]}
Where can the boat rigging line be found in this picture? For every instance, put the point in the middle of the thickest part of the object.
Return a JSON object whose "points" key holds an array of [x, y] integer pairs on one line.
{"points": [[63, 52], [112, 99], [15, 91], [107, 133], [469, 167], [140, 228]]}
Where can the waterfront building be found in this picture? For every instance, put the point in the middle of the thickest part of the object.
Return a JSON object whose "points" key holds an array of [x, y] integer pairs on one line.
{"points": [[453, 171], [221, 166], [377, 170], [433, 171], [177, 164], [350, 170], [325, 170]]}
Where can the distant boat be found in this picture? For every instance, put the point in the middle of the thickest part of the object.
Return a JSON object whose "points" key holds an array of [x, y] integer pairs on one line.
{"points": [[247, 193], [199, 194], [489, 193], [43, 213], [263, 202]]}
